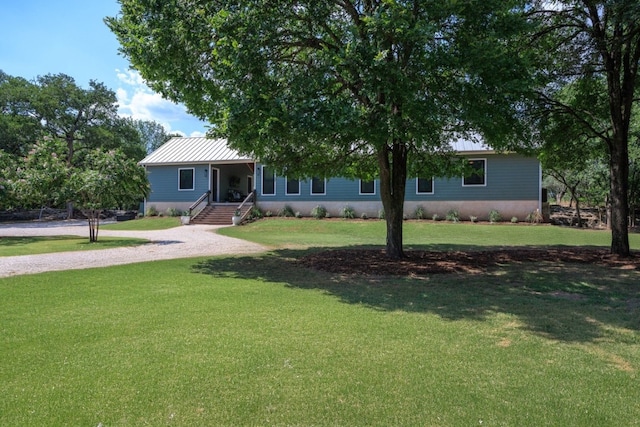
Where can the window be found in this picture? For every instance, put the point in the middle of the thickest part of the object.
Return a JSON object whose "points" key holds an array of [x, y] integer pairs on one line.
{"points": [[268, 181], [367, 187], [477, 173], [293, 186], [424, 186], [186, 179], [317, 185]]}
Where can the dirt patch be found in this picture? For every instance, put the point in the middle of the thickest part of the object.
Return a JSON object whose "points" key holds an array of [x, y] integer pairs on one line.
{"points": [[421, 263]]}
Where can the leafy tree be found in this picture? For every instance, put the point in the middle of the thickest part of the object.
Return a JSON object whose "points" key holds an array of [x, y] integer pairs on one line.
{"points": [[7, 173], [595, 47], [69, 112], [111, 179], [344, 87], [19, 127], [152, 134], [41, 176]]}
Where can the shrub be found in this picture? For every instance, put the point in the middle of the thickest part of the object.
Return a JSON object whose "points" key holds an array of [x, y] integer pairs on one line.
{"points": [[255, 213], [152, 211], [435, 217], [364, 216], [298, 214], [319, 212], [381, 214], [534, 217], [494, 216], [268, 214], [286, 211], [420, 213], [473, 219], [173, 212], [348, 212], [453, 216], [514, 220]]}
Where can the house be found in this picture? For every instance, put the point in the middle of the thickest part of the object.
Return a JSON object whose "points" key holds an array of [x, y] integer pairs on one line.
{"points": [[184, 171]]}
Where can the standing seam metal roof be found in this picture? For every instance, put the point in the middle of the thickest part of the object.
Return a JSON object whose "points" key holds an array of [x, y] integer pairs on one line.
{"points": [[193, 150], [204, 150]]}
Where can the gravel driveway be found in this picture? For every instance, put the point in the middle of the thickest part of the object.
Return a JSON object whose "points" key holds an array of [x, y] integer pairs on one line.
{"points": [[179, 242]]}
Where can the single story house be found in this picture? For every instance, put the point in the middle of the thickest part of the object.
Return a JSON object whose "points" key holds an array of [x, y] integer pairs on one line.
{"points": [[184, 170]]}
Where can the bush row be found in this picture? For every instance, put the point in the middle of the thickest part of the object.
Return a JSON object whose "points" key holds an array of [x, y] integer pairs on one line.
{"points": [[347, 212]]}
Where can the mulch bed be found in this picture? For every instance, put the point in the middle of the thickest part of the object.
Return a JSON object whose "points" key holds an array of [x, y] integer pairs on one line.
{"points": [[422, 263]]}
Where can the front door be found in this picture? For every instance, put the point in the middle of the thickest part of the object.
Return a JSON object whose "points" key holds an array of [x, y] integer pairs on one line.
{"points": [[215, 191]]}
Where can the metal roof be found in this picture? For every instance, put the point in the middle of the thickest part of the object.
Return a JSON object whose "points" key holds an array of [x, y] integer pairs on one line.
{"points": [[474, 145], [181, 150], [193, 150]]}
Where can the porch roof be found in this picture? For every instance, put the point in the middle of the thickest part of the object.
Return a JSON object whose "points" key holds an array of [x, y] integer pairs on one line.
{"points": [[193, 150]]}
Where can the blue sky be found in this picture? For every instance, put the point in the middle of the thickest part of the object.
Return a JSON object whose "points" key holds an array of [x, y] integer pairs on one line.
{"points": [[39, 37]]}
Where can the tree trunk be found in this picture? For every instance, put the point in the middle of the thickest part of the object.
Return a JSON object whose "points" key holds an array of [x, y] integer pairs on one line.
{"points": [[93, 216], [392, 163], [619, 168]]}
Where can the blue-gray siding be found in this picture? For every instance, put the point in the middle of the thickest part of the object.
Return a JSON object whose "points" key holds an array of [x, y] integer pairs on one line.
{"points": [[508, 177], [164, 183]]}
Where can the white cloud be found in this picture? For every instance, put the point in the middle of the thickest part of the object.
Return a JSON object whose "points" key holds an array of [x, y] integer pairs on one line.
{"points": [[137, 101]]}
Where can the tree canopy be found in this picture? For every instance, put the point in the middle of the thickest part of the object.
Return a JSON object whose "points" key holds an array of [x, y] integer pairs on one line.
{"points": [[592, 51], [344, 87]]}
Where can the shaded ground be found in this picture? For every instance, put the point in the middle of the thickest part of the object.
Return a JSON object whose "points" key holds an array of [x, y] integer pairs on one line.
{"points": [[420, 263]]}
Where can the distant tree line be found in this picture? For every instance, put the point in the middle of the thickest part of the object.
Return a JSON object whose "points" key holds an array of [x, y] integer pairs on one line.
{"points": [[64, 145]]}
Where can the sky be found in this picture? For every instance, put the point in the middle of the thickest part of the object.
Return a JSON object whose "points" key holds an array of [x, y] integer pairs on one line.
{"points": [[39, 37]]}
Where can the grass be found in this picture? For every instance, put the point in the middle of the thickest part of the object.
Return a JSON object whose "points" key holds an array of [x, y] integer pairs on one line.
{"points": [[14, 246], [297, 233], [259, 340], [144, 224]]}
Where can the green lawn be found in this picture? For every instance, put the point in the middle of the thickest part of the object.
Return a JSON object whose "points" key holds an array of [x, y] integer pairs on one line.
{"points": [[146, 223], [304, 233], [13, 246], [259, 340]]}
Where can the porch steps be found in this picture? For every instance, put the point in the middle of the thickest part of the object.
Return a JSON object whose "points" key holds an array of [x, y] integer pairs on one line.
{"points": [[217, 214]]}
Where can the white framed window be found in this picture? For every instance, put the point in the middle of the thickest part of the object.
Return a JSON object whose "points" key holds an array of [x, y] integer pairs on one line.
{"points": [[424, 185], [186, 179], [268, 182], [367, 187], [318, 186], [477, 176], [293, 187]]}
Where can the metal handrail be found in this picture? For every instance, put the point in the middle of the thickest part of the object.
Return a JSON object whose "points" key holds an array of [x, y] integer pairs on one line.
{"points": [[199, 201], [246, 200]]}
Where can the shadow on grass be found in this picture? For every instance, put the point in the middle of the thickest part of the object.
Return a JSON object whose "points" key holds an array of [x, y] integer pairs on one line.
{"points": [[561, 301]]}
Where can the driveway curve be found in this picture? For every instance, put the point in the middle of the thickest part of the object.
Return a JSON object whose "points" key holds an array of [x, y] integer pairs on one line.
{"points": [[180, 242]]}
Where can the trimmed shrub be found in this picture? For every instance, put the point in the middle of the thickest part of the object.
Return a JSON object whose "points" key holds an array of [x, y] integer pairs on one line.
{"points": [[435, 217], [453, 216], [255, 213], [420, 213], [473, 219], [514, 220], [319, 212], [348, 212], [364, 216], [173, 212], [152, 211], [286, 212], [494, 216]]}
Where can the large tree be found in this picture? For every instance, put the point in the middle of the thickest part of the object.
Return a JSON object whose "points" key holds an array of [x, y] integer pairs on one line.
{"points": [[19, 127], [343, 87], [592, 43]]}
